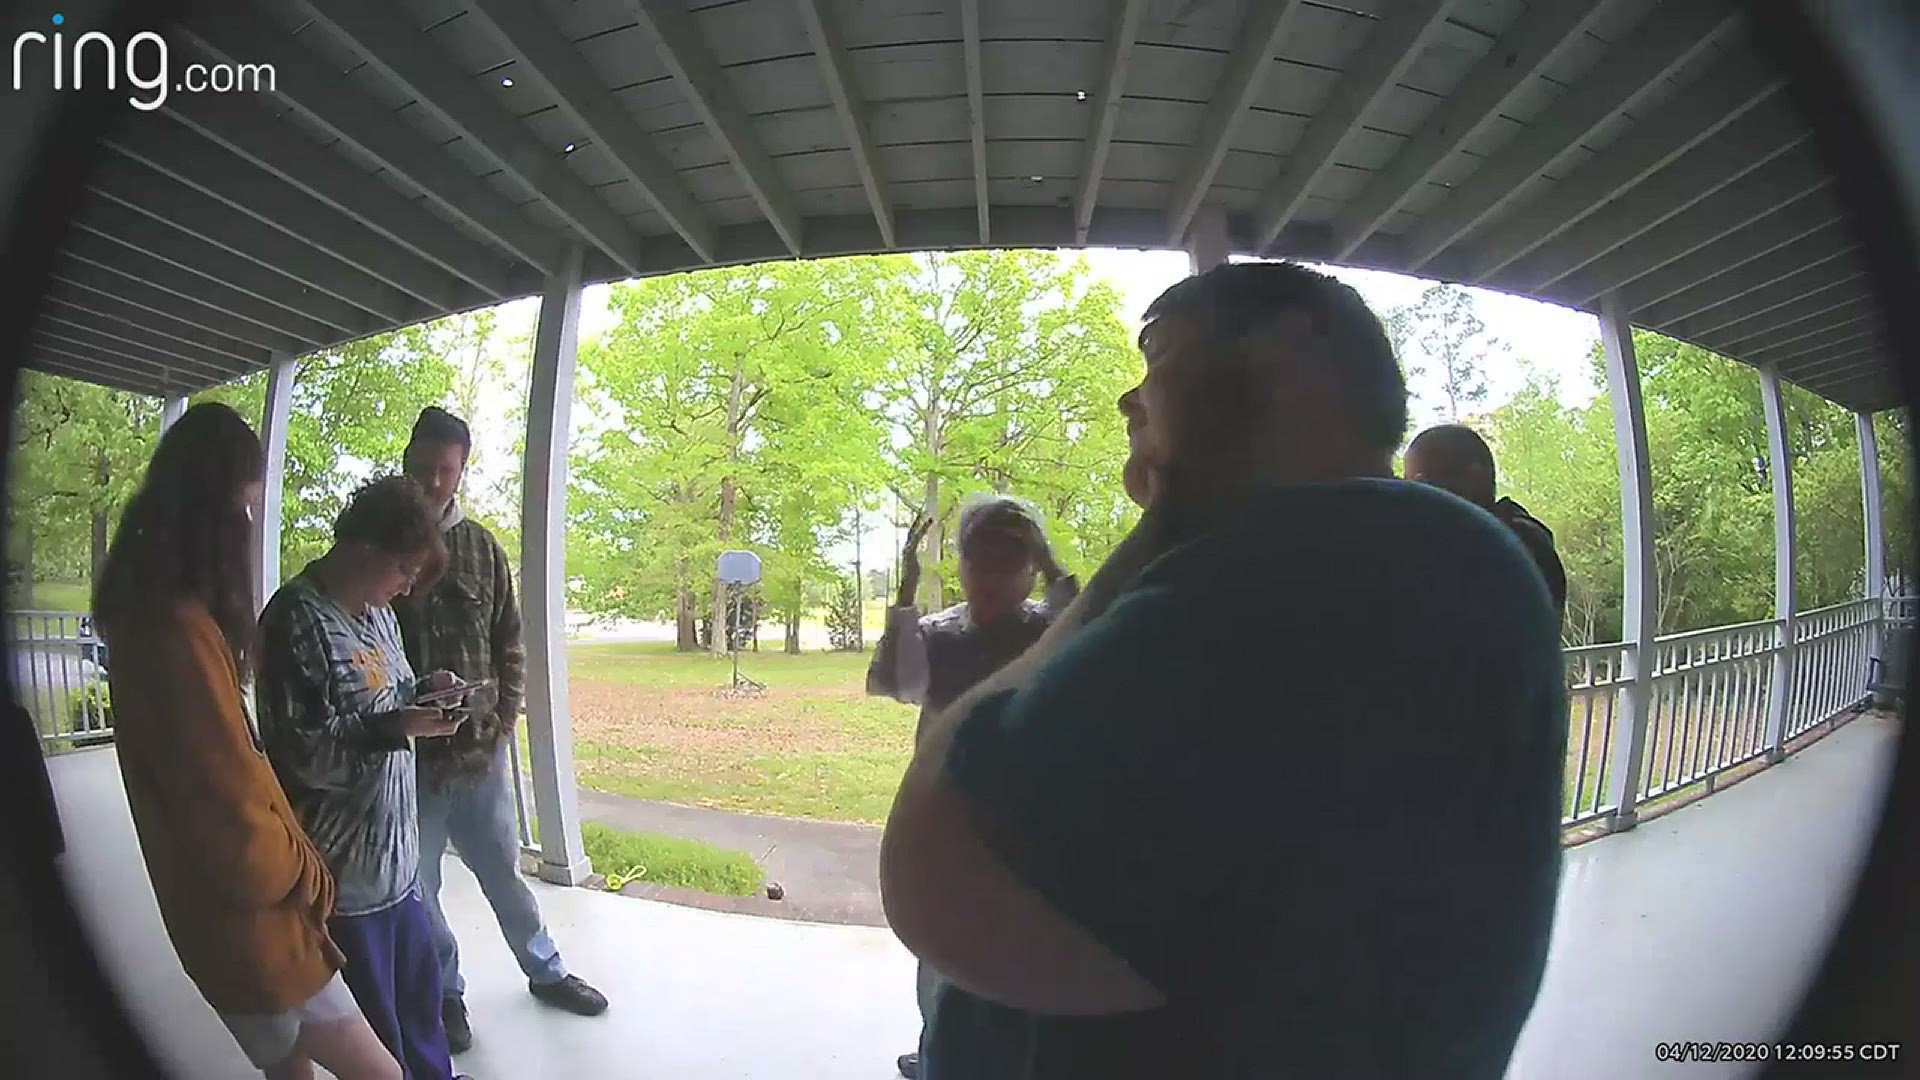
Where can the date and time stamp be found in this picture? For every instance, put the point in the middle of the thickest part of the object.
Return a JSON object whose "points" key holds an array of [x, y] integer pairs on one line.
{"points": [[1775, 1051]]}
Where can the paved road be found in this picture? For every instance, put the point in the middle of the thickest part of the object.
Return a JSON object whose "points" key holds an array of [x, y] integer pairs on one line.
{"points": [[831, 871], [628, 631]]}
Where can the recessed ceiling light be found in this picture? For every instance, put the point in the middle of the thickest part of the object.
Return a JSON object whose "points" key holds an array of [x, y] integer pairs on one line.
{"points": [[1080, 95], [505, 81]]}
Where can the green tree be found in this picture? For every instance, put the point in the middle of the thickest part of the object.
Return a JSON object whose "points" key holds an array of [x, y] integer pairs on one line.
{"points": [[1559, 463], [735, 413], [79, 451], [1005, 380], [353, 407], [1443, 329], [1893, 437], [1712, 493]]}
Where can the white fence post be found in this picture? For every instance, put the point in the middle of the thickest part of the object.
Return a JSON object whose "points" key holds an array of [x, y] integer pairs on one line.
{"points": [[1639, 617], [1875, 590], [543, 577], [273, 440], [1780, 470]]}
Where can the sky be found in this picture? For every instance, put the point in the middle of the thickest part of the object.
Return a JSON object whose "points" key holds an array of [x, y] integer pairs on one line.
{"points": [[1553, 339]]}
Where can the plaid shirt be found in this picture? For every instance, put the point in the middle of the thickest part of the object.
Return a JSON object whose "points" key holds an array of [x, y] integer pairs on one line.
{"points": [[469, 624], [328, 685]]}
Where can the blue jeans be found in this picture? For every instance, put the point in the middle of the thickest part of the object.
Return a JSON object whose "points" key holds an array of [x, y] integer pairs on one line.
{"points": [[476, 813]]}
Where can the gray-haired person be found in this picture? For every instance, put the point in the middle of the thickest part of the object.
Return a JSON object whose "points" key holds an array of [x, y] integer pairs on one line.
{"points": [[931, 660]]}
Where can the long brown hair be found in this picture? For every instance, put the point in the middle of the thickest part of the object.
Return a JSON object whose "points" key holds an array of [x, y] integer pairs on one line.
{"points": [[185, 535]]}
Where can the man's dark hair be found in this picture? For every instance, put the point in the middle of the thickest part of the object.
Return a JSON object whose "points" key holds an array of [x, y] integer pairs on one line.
{"points": [[1236, 301], [437, 425], [391, 514]]}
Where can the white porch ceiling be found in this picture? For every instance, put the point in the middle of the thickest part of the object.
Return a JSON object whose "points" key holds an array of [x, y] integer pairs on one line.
{"points": [[1557, 150]]}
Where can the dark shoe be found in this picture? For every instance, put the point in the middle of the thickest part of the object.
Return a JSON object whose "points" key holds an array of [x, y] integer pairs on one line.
{"points": [[909, 1065], [571, 994], [453, 1017]]}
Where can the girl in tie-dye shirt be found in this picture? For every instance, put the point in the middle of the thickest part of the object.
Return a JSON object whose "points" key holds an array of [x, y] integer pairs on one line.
{"points": [[338, 716]]}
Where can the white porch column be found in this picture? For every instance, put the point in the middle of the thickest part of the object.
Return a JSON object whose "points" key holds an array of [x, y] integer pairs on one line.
{"points": [[1639, 614], [1780, 469], [1876, 583], [273, 440], [170, 412], [1207, 238], [543, 577]]}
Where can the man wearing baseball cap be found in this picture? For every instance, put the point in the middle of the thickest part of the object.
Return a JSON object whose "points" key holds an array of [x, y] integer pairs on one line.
{"points": [[931, 660]]}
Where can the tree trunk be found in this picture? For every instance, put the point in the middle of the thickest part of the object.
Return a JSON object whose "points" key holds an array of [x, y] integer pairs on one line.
{"points": [[27, 577], [859, 590], [103, 475], [727, 501], [793, 633], [686, 637]]}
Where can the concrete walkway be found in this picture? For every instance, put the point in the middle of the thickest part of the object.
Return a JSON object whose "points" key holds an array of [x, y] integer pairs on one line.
{"points": [[830, 871]]}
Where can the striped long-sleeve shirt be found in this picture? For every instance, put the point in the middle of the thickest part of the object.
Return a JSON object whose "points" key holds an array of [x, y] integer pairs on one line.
{"points": [[329, 684]]}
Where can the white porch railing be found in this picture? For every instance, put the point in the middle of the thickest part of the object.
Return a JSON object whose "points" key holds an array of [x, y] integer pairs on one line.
{"points": [[1711, 692], [1831, 647], [522, 796], [1709, 711], [59, 675], [1903, 610], [1594, 685]]}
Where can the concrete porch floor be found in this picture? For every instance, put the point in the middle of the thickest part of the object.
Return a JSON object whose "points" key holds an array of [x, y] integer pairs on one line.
{"points": [[1701, 925]]}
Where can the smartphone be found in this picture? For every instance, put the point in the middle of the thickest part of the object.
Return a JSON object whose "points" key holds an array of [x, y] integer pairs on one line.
{"points": [[456, 692]]}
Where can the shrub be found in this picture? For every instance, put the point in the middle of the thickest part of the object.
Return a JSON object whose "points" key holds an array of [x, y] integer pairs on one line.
{"points": [[90, 709], [843, 617]]}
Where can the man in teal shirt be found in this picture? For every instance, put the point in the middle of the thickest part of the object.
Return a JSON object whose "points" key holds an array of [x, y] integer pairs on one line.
{"points": [[1280, 794]]}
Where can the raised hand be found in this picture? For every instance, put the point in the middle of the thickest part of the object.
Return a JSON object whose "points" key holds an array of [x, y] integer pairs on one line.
{"points": [[910, 560], [1042, 553]]}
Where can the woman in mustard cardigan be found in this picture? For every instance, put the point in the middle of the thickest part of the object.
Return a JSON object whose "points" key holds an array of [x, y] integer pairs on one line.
{"points": [[244, 895]]}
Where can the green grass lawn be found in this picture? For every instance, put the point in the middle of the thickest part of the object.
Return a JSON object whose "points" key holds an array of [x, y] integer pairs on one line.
{"points": [[57, 596], [653, 723], [669, 860]]}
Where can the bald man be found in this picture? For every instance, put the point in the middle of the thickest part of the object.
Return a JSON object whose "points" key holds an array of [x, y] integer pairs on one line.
{"points": [[1454, 457]]}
